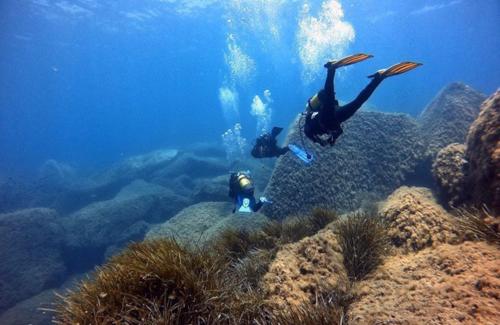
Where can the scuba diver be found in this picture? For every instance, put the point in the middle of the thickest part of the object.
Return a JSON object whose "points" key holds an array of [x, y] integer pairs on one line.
{"points": [[241, 190], [266, 147], [324, 115]]}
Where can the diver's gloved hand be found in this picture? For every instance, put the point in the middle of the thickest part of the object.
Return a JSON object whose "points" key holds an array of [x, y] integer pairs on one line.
{"points": [[263, 199]]}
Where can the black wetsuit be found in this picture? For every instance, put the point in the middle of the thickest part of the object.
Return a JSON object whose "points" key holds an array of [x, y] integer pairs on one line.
{"points": [[266, 146], [324, 125]]}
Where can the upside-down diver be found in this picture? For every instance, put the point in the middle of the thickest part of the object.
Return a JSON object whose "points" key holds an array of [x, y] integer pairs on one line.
{"points": [[266, 146], [324, 115]]}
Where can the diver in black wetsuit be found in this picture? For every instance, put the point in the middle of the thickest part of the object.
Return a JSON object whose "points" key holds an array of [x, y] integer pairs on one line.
{"points": [[324, 115], [266, 145]]}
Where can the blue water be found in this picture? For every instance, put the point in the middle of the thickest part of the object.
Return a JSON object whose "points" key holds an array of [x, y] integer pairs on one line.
{"points": [[88, 82]]}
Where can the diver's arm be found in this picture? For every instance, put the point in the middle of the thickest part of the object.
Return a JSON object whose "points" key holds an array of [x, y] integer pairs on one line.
{"points": [[256, 205]]}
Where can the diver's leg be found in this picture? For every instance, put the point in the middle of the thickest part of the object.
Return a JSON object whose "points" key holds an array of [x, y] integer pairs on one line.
{"points": [[345, 112], [329, 85], [327, 113]]}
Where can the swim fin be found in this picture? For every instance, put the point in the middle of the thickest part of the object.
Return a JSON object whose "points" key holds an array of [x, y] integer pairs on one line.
{"points": [[396, 69], [301, 154], [275, 131], [348, 60]]}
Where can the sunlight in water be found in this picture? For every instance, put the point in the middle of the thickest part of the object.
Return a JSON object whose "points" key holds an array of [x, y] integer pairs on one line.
{"points": [[262, 111], [241, 65], [322, 38], [229, 101]]}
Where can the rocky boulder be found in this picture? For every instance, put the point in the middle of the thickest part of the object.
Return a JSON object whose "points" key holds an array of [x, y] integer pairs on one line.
{"points": [[483, 155], [192, 166], [370, 160], [448, 117], [449, 169], [302, 271], [140, 166], [124, 218], [31, 254], [201, 222], [36, 310], [416, 220]]}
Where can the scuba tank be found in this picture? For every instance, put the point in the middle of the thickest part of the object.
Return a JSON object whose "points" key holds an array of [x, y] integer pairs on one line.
{"points": [[314, 103], [240, 182]]}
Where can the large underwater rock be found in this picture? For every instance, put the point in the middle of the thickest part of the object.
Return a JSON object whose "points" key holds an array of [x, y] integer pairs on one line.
{"points": [[448, 169], [15, 194], [483, 155], [124, 218], [33, 310], [303, 270], [202, 222], [449, 284], [415, 220], [192, 166], [369, 161], [447, 118], [31, 245], [140, 166]]}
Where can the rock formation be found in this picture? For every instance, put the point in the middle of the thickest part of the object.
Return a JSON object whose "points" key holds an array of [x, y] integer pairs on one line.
{"points": [[200, 222], [301, 271], [448, 170], [30, 253], [483, 155], [448, 117], [370, 159], [416, 220], [124, 218], [449, 284]]}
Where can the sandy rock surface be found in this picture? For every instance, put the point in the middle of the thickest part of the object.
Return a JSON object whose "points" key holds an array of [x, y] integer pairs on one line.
{"points": [[201, 222], [416, 220], [304, 269], [483, 154], [449, 284], [448, 116], [448, 170]]}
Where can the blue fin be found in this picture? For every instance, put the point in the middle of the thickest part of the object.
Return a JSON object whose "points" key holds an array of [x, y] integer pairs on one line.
{"points": [[301, 154]]}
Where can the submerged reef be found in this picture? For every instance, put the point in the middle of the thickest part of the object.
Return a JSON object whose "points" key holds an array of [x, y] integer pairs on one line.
{"points": [[161, 281], [483, 155], [448, 284], [31, 243], [405, 259], [202, 222], [415, 220], [371, 158], [448, 170], [307, 269], [448, 117]]}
